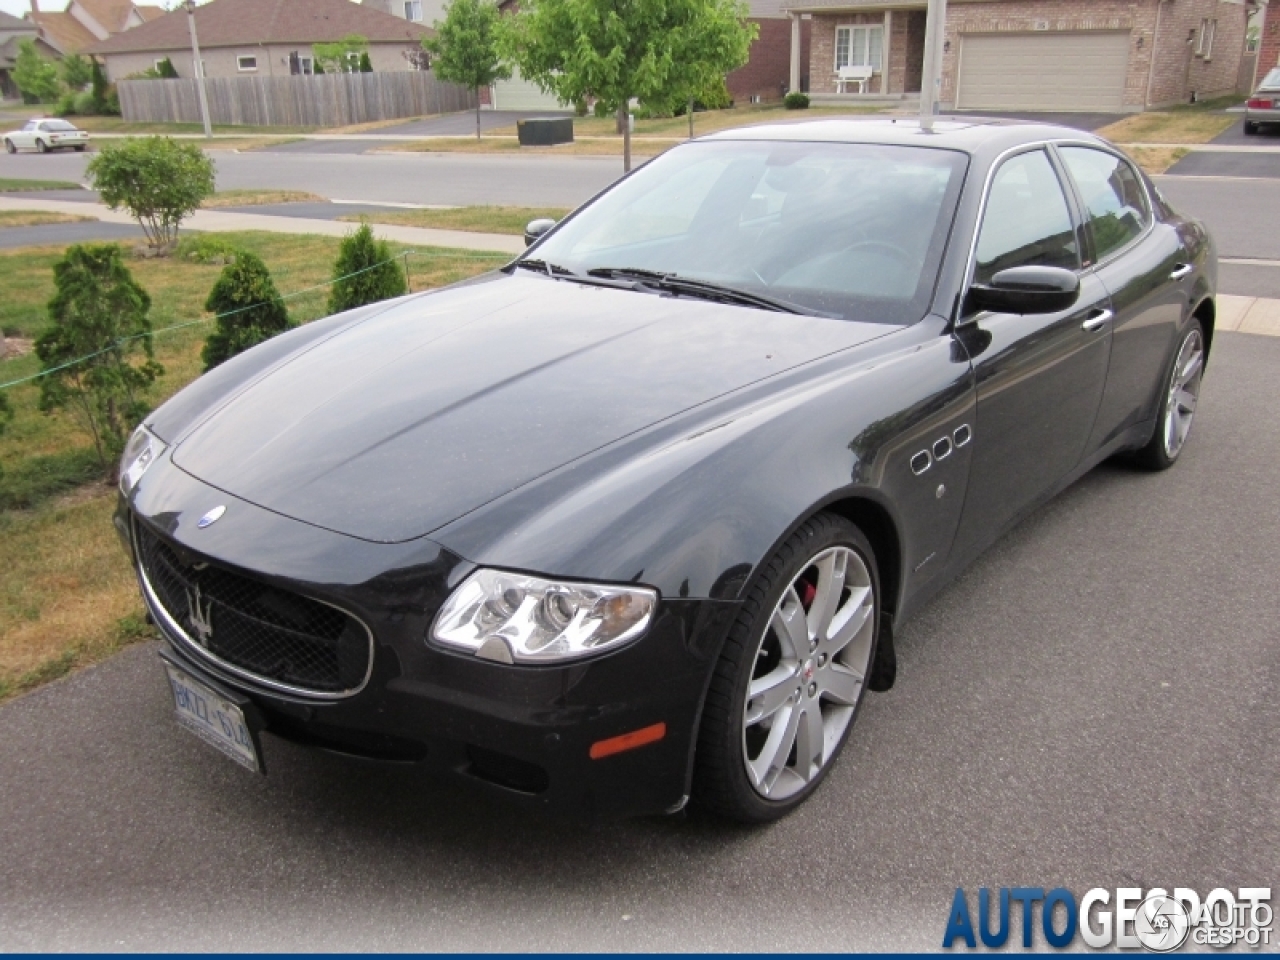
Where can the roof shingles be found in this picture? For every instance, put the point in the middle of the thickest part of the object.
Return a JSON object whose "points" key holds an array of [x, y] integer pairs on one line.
{"points": [[233, 23]]}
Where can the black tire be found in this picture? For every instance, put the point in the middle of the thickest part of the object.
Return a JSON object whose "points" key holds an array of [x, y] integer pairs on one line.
{"points": [[1155, 455], [78, 148], [1250, 127], [721, 784], [8, 145], [41, 147]]}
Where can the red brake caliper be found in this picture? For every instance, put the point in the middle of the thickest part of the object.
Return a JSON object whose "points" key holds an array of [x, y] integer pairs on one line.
{"points": [[807, 592]]}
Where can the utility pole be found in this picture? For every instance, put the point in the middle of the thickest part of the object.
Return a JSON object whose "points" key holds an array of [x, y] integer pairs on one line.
{"points": [[931, 78], [195, 53]]}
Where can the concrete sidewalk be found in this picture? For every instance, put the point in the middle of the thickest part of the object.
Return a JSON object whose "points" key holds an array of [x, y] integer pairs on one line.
{"points": [[220, 221], [1248, 315]]}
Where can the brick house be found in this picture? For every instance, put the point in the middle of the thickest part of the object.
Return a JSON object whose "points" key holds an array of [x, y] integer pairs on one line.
{"points": [[1268, 42], [766, 75], [1055, 55], [259, 38]]}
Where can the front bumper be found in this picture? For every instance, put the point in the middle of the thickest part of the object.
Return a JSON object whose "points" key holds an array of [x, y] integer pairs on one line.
{"points": [[527, 731]]}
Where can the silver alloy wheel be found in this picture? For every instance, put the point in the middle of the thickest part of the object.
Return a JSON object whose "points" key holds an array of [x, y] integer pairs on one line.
{"points": [[808, 673], [1184, 393]]}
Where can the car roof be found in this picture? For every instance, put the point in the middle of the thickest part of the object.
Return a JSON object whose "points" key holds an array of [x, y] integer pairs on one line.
{"points": [[968, 134]]}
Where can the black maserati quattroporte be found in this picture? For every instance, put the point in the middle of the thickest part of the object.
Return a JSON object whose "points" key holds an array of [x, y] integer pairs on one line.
{"points": [[632, 519]]}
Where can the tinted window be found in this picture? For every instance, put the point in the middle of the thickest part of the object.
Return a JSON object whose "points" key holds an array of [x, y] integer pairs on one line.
{"points": [[57, 125], [854, 230], [1026, 222], [1115, 203]]}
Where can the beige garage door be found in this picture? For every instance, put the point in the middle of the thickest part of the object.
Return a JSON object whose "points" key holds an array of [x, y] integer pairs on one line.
{"points": [[1043, 71], [520, 94]]}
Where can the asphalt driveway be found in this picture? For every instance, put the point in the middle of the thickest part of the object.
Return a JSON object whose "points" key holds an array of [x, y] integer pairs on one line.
{"points": [[1093, 704]]}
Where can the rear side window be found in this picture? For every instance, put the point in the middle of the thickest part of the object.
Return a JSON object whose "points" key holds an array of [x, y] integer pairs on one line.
{"points": [[1026, 222], [1115, 203]]}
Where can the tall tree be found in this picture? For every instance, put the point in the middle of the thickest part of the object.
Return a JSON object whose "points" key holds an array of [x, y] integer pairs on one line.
{"points": [[98, 328], [76, 72], [341, 56], [35, 76], [659, 51], [465, 47]]}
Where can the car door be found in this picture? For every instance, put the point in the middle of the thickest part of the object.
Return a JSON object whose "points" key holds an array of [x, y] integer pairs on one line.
{"points": [[1039, 377], [25, 138], [1147, 271]]}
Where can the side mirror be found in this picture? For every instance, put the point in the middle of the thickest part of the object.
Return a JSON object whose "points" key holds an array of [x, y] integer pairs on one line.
{"points": [[534, 230], [1026, 290]]}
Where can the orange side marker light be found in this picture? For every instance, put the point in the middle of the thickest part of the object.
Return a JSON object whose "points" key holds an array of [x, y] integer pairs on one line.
{"points": [[628, 741]]}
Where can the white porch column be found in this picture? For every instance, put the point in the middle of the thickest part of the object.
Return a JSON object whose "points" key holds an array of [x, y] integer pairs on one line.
{"points": [[795, 53], [885, 44]]}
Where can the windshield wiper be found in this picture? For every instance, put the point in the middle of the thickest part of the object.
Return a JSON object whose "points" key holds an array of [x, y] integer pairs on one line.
{"points": [[542, 266], [704, 289]]}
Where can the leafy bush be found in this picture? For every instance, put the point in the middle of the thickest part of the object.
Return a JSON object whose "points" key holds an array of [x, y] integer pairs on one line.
{"points": [[98, 327], [76, 71], [366, 65], [796, 101], [165, 70], [34, 76], [75, 104], [157, 179], [364, 272], [206, 248], [248, 307]]}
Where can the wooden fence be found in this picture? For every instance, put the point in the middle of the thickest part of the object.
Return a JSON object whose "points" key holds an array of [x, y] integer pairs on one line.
{"points": [[327, 100]]}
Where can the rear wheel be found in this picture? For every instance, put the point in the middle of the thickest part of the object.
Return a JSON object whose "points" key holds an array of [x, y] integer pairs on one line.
{"points": [[1250, 127], [41, 147], [79, 148], [791, 676], [1179, 398]]}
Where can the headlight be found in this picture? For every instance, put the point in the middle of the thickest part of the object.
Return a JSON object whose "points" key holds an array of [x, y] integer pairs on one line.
{"points": [[519, 619], [139, 453]]}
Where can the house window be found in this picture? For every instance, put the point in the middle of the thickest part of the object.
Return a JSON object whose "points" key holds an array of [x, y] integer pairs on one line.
{"points": [[413, 10], [246, 64], [306, 65], [1204, 43], [859, 47]]}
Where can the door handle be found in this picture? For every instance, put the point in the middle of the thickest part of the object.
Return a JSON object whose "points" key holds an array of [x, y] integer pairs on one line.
{"points": [[1097, 319], [1180, 271]]}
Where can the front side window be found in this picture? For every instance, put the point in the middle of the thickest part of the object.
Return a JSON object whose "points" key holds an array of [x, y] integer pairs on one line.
{"points": [[1115, 203], [859, 47], [851, 230], [1026, 222], [29, 126], [245, 64]]}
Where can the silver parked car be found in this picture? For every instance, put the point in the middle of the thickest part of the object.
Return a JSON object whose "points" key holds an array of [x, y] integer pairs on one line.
{"points": [[43, 135], [1264, 105]]}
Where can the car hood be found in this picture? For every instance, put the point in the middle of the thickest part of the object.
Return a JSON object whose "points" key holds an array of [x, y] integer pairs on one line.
{"points": [[425, 411]]}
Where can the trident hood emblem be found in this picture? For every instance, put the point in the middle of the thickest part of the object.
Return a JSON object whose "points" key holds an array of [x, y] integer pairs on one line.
{"points": [[200, 617]]}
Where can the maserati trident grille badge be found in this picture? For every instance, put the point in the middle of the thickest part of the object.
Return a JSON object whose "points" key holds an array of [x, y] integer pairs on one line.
{"points": [[211, 517], [200, 616]]}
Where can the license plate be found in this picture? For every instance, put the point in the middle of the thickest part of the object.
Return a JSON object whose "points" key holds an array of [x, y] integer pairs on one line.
{"points": [[213, 718]]}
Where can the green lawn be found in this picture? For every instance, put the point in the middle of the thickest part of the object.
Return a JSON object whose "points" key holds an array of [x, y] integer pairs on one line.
{"points": [[67, 596], [472, 219], [9, 185]]}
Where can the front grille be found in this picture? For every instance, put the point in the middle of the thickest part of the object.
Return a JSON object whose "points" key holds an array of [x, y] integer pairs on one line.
{"points": [[274, 635]]}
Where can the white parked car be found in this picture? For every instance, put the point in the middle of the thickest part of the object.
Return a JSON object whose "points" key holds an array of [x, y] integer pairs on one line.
{"points": [[45, 135]]}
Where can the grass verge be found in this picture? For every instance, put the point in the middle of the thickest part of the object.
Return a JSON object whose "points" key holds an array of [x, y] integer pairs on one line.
{"points": [[1191, 124], [10, 185], [35, 218], [471, 219], [707, 121], [67, 595], [1156, 160], [254, 198]]}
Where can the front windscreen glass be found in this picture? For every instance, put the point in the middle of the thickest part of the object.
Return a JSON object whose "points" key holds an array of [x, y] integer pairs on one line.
{"points": [[854, 231]]}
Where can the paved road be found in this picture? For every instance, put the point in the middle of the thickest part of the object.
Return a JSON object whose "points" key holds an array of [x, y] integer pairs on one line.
{"points": [[1236, 137], [1092, 704]]}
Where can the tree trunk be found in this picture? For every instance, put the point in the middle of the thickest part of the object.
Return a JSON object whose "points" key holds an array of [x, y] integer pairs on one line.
{"points": [[690, 119], [624, 121], [477, 113]]}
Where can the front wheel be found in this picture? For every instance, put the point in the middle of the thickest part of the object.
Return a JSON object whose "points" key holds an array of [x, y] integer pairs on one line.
{"points": [[1179, 397], [8, 145], [793, 671]]}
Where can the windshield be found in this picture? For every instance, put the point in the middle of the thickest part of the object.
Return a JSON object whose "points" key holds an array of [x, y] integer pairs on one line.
{"points": [[851, 230]]}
